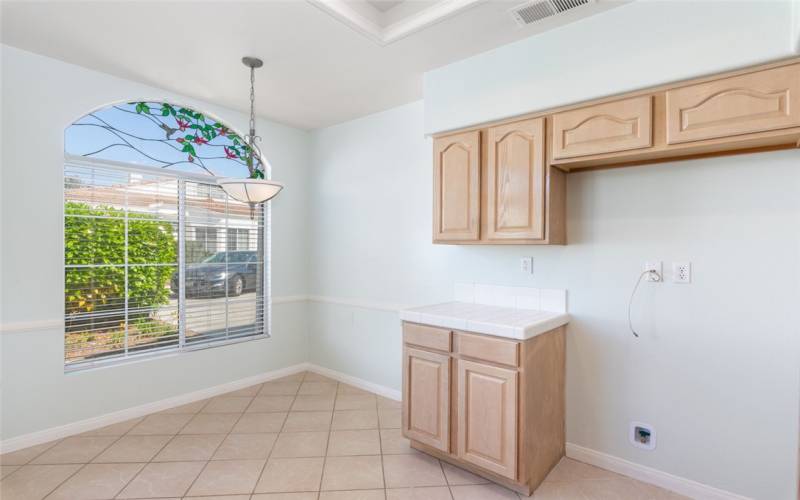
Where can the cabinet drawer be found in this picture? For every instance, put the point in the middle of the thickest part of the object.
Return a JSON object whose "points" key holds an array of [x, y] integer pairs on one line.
{"points": [[604, 128], [426, 336], [755, 102], [494, 350]]}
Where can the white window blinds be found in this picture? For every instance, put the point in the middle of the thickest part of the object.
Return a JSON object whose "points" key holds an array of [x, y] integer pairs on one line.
{"points": [[157, 263]]}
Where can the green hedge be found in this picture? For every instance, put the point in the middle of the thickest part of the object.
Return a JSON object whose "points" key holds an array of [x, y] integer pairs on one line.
{"points": [[97, 236]]}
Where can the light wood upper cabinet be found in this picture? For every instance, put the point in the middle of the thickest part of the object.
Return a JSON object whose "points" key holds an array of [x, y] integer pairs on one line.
{"points": [[753, 102], [487, 417], [505, 183], [426, 397], [603, 128], [456, 187], [515, 178]]}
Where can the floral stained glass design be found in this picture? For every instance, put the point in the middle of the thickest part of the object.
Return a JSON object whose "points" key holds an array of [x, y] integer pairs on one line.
{"points": [[163, 135]]}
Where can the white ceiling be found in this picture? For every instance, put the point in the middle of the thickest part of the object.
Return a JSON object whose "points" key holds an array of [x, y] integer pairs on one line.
{"points": [[317, 70], [384, 5]]}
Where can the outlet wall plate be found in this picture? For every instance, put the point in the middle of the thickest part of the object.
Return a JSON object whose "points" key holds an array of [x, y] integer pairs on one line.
{"points": [[682, 272], [526, 265], [633, 432]]}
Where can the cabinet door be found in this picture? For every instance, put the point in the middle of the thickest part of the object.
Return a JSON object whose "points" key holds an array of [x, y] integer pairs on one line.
{"points": [[456, 187], [515, 181], [426, 397], [604, 128], [487, 417], [754, 102]]}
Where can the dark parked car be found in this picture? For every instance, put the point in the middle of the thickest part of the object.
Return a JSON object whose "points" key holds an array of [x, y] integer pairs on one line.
{"points": [[211, 276]]}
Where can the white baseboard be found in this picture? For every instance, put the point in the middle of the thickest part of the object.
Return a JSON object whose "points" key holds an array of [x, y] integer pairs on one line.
{"points": [[380, 390], [683, 486], [46, 435]]}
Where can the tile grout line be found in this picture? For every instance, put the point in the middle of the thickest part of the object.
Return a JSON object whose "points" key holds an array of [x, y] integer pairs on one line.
{"points": [[175, 436], [277, 436], [380, 447], [211, 457], [29, 462], [328, 442], [446, 481], [319, 490], [82, 466], [150, 461]]}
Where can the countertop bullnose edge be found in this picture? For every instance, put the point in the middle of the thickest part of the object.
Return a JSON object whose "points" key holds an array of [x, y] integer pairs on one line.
{"points": [[518, 324]]}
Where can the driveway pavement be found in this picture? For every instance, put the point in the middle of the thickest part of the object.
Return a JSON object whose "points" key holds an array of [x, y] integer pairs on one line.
{"points": [[206, 316]]}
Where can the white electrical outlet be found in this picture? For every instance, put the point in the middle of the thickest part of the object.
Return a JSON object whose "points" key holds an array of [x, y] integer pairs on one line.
{"points": [[681, 272], [654, 265], [526, 265]]}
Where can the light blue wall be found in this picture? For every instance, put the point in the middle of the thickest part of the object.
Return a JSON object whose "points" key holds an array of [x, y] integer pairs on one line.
{"points": [[633, 46], [716, 368], [40, 97]]}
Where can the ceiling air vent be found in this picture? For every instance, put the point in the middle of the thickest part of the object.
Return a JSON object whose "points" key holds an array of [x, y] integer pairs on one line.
{"points": [[530, 12]]}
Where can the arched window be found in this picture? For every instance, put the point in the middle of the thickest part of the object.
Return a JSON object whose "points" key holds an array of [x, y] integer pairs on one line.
{"points": [[157, 257]]}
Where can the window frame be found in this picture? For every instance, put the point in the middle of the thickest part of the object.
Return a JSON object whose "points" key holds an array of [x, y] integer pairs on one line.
{"points": [[182, 347]]}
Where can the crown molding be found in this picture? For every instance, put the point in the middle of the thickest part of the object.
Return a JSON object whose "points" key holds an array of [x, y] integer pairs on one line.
{"points": [[384, 35]]}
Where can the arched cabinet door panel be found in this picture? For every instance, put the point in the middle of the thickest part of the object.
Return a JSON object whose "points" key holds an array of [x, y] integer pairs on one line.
{"points": [[515, 178], [456, 187], [426, 397], [604, 128], [753, 102], [487, 417]]}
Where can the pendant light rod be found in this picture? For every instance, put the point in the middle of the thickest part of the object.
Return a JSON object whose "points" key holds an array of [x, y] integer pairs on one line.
{"points": [[252, 63], [255, 189]]}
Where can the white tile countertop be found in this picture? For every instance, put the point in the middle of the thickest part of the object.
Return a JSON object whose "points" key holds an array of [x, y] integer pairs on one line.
{"points": [[511, 312], [520, 324]]}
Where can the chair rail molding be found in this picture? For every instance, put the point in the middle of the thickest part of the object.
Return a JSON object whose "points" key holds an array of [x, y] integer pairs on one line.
{"points": [[32, 326], [45, 325]]}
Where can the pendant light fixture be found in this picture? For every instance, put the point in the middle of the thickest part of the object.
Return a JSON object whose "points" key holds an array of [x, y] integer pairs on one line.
{"points": [[257, 188]]}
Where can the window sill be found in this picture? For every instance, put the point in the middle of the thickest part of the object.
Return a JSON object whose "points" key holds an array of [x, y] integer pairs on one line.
{"points": [[102, 364]]}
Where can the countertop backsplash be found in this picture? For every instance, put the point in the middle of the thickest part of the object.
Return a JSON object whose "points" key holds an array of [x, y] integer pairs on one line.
{"points": [[518, 297]]}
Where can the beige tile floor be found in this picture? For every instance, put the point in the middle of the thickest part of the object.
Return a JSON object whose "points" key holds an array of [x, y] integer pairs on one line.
{"points": [[302, 437]]}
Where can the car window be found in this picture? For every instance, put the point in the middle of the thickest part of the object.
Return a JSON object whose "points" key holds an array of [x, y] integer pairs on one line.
{"points": [[217, 257], [238, 257]]}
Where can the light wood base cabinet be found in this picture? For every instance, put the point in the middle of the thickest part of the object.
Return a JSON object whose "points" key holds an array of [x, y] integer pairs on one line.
{"points": [[491, 405]]}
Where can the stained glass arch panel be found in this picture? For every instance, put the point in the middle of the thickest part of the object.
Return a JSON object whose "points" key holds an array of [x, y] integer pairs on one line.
{"points": [[160, 134]]}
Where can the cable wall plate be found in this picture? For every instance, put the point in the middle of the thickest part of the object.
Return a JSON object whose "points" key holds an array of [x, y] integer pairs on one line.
{"points": [[657, 266]]}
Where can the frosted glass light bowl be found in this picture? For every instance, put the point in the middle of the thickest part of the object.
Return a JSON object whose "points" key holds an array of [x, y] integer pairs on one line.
{"points": [[251, 191]]}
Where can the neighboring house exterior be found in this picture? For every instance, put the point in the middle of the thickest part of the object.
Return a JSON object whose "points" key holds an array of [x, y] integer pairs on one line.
{"points": [[208, 230]]}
